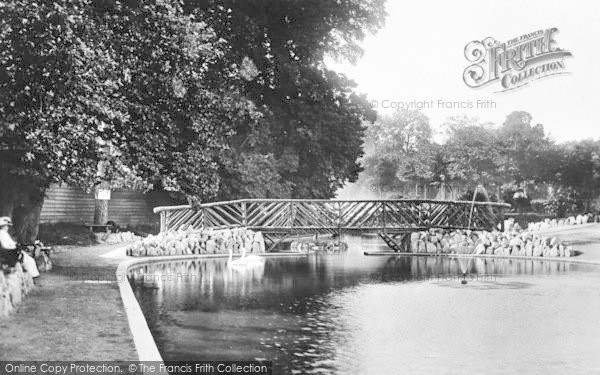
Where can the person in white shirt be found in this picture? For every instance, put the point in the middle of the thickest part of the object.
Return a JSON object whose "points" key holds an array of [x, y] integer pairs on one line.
{"points": [[7, 243]]}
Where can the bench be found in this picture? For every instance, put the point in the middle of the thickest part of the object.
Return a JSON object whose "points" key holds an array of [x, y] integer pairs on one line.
{"points": [[109, 227]]}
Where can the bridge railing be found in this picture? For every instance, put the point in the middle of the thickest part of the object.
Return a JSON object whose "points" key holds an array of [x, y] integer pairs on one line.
{"points": [[316, 215]]}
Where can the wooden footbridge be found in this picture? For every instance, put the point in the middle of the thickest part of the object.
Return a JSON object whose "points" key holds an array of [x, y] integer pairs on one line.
{"points": [[279, 219]]}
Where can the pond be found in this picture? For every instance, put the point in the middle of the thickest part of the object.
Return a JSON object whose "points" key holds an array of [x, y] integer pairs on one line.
{"points": [[351, 313]]}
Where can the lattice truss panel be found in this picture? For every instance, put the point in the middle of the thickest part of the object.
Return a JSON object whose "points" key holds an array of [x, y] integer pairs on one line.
{"points": [[323, 216]]}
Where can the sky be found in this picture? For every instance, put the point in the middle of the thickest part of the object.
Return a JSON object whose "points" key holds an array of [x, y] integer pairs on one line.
{"points": [[418, 56]]}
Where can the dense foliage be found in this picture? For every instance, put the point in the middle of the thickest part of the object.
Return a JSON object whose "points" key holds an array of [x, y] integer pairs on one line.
{"points": [[310, 135], [216, 99], [516, 154]]}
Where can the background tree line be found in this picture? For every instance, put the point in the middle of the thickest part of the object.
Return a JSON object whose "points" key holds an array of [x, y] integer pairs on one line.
{"points": [[400, 150], [214, 99]]}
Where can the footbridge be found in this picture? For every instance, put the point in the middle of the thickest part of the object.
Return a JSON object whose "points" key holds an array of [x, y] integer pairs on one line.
{"points": [[279, 219]]}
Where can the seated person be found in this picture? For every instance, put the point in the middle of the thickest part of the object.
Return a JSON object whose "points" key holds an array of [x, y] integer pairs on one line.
{"points": [[8, 244]]}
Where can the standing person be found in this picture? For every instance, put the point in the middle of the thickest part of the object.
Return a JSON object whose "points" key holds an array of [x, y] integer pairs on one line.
{"points": [[7, 243], [520, 199]]}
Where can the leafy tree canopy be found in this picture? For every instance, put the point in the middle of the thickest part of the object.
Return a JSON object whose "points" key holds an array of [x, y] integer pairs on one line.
{"points": [[212, 98], [115, 91], [310, 135]]}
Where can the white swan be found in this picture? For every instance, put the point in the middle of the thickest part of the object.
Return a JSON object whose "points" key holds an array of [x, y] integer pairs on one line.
{"points": [[249, 260]]}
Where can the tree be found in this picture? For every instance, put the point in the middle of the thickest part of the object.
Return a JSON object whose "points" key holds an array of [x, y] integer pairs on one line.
{"points": [[471, 151], [310, 136], [524, 148], [143, 89], [57, 90], [579, 170], [399, 149], [183, 96]]}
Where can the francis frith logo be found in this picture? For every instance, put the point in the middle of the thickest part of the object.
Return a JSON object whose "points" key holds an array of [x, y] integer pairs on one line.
{"points": [[514, 63]]}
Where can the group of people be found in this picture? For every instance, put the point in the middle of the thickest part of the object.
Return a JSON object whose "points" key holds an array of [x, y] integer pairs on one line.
{"points": [[8, 244]]}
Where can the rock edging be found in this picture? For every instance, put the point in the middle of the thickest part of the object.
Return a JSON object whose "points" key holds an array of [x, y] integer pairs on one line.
{"points": [[552, 223], [113, 238], [199, 241], [516, 243], [14, 285]]}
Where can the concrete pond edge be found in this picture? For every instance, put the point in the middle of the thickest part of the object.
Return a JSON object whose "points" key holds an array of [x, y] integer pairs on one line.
{"points": [[143, 339]]}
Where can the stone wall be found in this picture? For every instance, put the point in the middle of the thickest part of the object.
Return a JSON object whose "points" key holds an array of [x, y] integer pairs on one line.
{"points": [[514, 242], [207, 241], [552, 223], [113, 238], [15, 283]]}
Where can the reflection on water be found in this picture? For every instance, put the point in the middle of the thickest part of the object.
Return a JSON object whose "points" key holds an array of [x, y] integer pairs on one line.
{"points": [[309, 314]]}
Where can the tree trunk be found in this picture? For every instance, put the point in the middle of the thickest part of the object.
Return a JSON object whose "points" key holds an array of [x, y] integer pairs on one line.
{"points": [[26, 221], [22, 198], [101, 205], [8, 196], [6, 206], [100, 211]]}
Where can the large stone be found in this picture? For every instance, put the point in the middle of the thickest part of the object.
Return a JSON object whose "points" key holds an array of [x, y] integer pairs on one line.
{"points": [[516, 250], [6, 306], [211, 246], [499, 251], [14, 287], [27, 282], [569, 251], [516, 241], [546, 251], [445, 245], [195, 246], [480, 249], [529, 249], [463, 248], [431, 248]]}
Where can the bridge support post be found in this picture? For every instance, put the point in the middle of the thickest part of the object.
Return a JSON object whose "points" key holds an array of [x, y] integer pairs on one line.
{"points": [[275, 239], [399, 242], [163, 221]]}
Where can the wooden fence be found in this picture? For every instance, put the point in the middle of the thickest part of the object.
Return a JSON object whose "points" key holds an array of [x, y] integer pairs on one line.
{"points": [[74, 205]]}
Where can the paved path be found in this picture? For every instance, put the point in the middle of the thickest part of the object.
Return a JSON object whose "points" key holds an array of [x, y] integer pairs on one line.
{"points": [[67, 318]]}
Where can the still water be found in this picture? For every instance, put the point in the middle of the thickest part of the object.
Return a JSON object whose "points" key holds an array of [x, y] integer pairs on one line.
{"points": [[351, 313]]}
